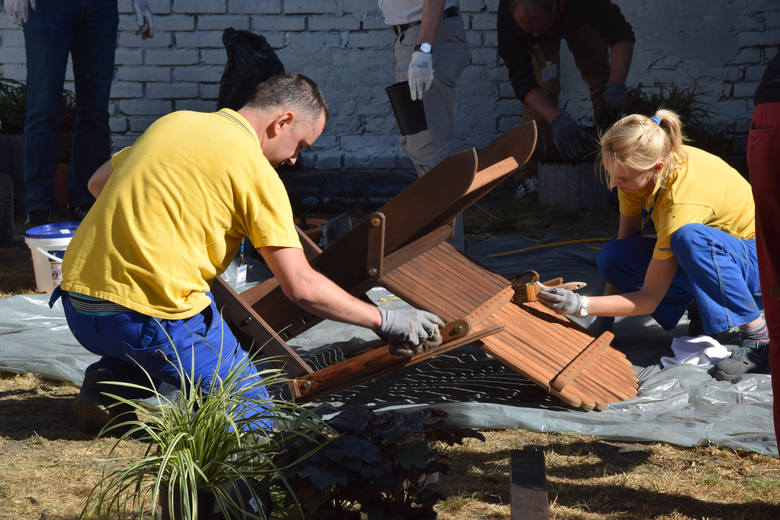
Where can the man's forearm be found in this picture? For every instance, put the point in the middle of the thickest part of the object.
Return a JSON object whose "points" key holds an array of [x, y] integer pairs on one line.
{"points": [[99, 179], [431, 19], [326, 299], [314, 292], [620, 61], [538, 102]]}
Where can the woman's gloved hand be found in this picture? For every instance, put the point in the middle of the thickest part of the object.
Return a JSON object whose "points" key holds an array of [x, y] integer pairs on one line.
{"points": [[143, 16], [17, 10], [562, 301]]}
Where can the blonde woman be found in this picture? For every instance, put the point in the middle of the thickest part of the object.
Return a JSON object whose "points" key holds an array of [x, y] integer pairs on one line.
{"points": [[703, 249]]}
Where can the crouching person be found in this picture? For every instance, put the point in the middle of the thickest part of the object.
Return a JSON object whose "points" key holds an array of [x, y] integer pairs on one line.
{"points": [[170, 214], [702, 254]]}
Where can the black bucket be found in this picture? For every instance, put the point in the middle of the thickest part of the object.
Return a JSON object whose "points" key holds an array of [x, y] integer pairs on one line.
{"points": [[409, 114]]}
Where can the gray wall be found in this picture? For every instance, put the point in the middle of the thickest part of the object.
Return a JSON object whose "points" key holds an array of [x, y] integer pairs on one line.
{"points": [[719, 45]]}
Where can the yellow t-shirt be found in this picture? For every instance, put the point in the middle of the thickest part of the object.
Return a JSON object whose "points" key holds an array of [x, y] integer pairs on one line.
{"points": [[173, 213], [704, 190]]}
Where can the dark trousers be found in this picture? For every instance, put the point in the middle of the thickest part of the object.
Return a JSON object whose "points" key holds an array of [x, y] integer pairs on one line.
{"points": [[87, 30]]}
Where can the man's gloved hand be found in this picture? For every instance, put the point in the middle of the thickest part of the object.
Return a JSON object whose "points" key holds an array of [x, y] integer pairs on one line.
{"points": [[569, 138], [144, 17], [562, 301], [409, 331], [614, 98], [420, 74], [17, 10]]}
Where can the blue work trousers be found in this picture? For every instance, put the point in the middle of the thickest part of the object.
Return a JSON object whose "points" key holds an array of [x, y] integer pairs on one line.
{"points": [[87, 30], [717, 270], [129, 340]]}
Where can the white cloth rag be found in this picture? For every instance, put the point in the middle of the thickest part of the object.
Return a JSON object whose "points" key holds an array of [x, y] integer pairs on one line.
{"points": [[699, 350]]}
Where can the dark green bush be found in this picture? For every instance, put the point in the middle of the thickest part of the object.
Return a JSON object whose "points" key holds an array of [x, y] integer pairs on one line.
{"points": [[379, 465]]}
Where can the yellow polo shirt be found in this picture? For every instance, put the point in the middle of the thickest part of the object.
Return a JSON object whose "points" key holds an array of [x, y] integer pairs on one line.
{"points": [[704, 190], [173, 213]]}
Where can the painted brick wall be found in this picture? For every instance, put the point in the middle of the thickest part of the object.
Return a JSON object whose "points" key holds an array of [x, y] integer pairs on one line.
{"points": [[344, 45]]}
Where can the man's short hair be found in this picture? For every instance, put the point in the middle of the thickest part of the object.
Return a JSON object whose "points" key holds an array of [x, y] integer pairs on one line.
{"points": [[545, 5], [290, 90]]}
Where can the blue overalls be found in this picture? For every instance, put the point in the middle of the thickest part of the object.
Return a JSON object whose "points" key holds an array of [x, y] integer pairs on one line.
{"points": [[126, 339], [717, 269]]}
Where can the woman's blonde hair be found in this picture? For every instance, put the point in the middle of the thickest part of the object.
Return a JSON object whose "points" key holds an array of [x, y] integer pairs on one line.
{"points": [[638, 142]]}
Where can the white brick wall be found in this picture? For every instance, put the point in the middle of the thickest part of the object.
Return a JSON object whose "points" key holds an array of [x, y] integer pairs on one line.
{"points": [[344, 45]]}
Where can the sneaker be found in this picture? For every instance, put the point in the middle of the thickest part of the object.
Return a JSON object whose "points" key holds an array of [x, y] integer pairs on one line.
{"points": [[37, 217], [93, 408], [750, 357]]}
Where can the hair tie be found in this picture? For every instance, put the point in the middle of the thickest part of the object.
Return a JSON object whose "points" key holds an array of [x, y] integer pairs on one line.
{"points": [[657, 120]]}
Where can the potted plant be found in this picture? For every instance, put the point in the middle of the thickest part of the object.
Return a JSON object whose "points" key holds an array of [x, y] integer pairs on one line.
{"points": [[203, 451], [13, 99], [13, 106]]}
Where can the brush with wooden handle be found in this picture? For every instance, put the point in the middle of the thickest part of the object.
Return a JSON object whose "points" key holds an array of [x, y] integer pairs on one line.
{"points": [[527, 285]]}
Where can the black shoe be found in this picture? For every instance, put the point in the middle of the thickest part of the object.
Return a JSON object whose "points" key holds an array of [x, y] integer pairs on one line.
{"points": [[37, 217], [94, 409], [80, 211], [750, 357], [695, 327]]}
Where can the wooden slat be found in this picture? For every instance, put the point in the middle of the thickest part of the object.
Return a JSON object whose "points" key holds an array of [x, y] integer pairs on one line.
{"points": [[245, 321], [372, 364], [528, 485], [539, 345]]}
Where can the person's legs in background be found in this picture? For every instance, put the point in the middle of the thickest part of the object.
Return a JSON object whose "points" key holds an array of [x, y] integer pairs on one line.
{"points": [[763, 155], [93, 50], [450, 55], [47, 38], [591, 56]]}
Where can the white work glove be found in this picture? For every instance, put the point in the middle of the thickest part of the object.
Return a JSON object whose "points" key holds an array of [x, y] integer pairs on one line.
{"points": [[17, 10], [562, 301], [420, 74], [409, 331], [144, 17]]}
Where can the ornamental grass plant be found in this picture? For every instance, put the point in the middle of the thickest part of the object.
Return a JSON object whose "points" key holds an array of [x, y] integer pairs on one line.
{"points": [[204, 449]]}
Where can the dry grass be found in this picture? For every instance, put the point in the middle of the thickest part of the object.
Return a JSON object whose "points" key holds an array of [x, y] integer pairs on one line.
{"points": [[589, 479], [48, 465], [16, 271]]}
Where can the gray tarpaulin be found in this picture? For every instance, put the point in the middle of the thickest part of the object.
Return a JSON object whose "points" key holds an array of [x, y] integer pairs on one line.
{"points": [[682, 404]]}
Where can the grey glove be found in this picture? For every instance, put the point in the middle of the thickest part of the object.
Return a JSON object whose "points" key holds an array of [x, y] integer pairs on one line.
{"points": [[562, 301], [614, 98], [568, 137], [409, 331]]}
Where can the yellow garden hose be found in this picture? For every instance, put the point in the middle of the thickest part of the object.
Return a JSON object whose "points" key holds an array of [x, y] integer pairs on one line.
{"points": [[549, 244]]}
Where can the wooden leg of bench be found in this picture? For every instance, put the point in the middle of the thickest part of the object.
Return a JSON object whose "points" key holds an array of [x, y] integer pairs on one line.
{"points": [[527, 485]]}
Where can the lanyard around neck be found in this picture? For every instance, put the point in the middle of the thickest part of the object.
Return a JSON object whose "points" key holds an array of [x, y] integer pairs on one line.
{"points": [[649, 213]]}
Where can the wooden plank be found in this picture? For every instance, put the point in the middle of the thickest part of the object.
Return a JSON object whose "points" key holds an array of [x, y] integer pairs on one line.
{"points": [[527, 486], [581, 360], [372, 364], [246, 322]]}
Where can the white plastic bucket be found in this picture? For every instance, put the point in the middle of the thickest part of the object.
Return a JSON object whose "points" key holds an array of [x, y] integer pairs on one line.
{"points": [[47, 245]]}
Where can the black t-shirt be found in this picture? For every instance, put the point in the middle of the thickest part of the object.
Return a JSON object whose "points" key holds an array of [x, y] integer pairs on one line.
{"points": [[514, 44], [768, 90]]}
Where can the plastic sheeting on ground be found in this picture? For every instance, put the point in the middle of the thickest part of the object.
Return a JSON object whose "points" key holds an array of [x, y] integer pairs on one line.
{"points": [[681, 404]]}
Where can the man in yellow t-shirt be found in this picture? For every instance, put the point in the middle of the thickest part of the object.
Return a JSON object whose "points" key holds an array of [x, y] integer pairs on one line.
{"points": [[171, 213]]}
